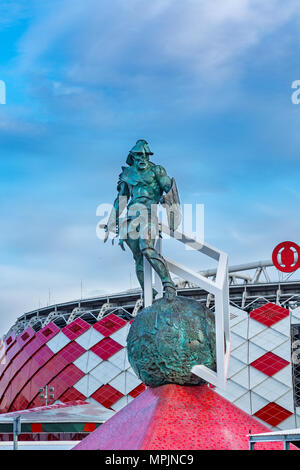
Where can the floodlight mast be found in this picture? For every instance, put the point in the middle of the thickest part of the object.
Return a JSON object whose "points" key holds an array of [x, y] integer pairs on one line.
{"points": [[44, 394]]}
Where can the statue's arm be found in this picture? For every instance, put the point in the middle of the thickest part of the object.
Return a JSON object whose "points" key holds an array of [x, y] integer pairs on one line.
{"points": [[164, 180], [119, 205]]}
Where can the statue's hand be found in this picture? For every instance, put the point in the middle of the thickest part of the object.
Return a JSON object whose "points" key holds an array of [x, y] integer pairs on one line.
{"points": [[121, 243], [111, 228], [106, 233]]}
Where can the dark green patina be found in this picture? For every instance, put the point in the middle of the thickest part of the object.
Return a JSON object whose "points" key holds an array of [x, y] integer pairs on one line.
{"points": [[170, 337], [167, 339], [141, 188]]}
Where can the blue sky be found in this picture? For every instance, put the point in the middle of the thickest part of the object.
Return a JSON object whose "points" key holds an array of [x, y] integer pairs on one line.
{"points": [[207, 83]]}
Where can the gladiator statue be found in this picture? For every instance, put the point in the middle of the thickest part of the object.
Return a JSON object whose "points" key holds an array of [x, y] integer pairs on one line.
{"points": [[142, 186]]}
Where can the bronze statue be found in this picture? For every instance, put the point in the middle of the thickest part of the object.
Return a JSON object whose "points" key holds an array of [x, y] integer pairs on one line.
{"points": [[141, 188]]}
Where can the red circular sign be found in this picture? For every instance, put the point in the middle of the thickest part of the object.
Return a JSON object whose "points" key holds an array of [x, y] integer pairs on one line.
{"points": [[286, 257]]}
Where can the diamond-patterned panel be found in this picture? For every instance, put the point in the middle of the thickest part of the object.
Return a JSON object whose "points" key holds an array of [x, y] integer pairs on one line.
{"points": [[273, 414], [10, 340], [76, 328], [268, 339], [284, 350], [269, 314], [257, 402], [285, 376], [254, 327], [232, 392], [107, 395], [106, 348], [236, 341], [88, 339], [241, 329], [121, 403], [87, 361], [72, 395], [61, 383], [120, 336], [241, 353], [70, 352], [242, 378], [125, 382], [68, 377], [78, 347], [105, 372], [271, 389], [269, 363], [289, 423], [234, 366], [88, 385], [256, 377], [237, 315], [120, 359], [25, 337], [283, 326], [255, 351], [287, 401], [108, 325], [244, 403], [58, 342], [137, 390], [48, 332]]}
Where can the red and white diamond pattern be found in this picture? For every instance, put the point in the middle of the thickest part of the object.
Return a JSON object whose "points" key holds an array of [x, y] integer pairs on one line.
{"points": [[90, 363], [260, 375], [81, 361], [108, 378]]}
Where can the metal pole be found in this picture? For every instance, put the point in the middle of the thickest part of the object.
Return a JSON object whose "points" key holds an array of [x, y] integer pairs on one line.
{"points": [[147, 283], [16, 430], [286, 445], [251, 443]]}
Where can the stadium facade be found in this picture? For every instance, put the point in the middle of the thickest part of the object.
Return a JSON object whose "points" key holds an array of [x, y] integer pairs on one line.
{"points": [[79, 349]]}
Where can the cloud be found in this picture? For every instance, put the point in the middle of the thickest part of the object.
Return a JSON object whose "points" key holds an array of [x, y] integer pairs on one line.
{"points": [[192, 76], [104, 64], [109, 42]]}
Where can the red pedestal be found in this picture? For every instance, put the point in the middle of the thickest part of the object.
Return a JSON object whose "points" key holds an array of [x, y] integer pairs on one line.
{"points": [[178, 418]]}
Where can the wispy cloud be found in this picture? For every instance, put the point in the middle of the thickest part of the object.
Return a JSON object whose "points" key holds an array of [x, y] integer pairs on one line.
{"points": [[111, 42], [208, 83]]}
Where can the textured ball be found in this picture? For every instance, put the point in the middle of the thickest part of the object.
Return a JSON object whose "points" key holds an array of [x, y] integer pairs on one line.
{"points": [[170, 337]]}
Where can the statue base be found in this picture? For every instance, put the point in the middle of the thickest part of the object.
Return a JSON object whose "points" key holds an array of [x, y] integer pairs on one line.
{"points": [[170, 337], [173, 417]]}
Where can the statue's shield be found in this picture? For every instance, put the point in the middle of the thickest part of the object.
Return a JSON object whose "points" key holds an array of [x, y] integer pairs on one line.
{"points": [[172, 206]]}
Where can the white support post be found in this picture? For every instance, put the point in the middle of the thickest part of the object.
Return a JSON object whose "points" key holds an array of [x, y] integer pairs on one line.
{"points": [[157, 282], [218, 287], [147, 283]]}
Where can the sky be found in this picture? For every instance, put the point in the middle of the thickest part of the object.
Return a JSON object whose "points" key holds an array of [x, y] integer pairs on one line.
{"points": [[206, 83]]}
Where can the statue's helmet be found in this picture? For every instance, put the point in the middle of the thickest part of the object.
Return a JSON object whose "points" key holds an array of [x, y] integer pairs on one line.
{"points": [[141, 146]]}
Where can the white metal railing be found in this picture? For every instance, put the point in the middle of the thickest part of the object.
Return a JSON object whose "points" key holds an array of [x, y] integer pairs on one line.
{"points": [[218, 287]]}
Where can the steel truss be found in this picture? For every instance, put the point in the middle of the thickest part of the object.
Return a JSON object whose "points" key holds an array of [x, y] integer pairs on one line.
{"points": [[262, 283]]}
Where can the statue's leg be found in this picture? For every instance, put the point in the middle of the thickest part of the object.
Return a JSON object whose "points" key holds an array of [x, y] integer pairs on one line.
{"points": [[139, 262], [158, 264], [138, 258]]}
